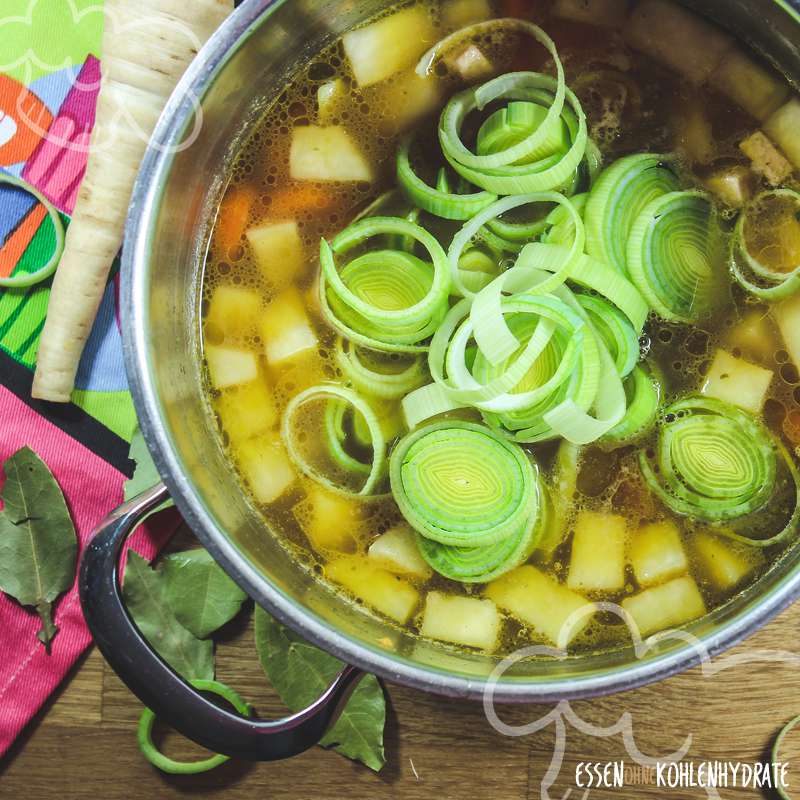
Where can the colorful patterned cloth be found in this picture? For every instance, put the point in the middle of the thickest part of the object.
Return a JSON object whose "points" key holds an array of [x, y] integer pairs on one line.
{"points": [[49, 80]]}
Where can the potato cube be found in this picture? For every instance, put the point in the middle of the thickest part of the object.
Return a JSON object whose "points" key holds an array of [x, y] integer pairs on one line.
{"points": [[665, 606], [597, 562], [677, 38], [330, 521], [285, 329], [754, 335], [757, 89], [379, 50], [329, 96], [766, 159], [278, 251], [229, 366], [541, 602], [471, 64], [737, 381], [605, 13], [734, 185], [397, 551], [461, 620], [724, 563], [233, 311], [379, 588], [326, 154], [406, 99], [787, 315], [247, 410], [266, 467], [782, 127], [657, 554]]}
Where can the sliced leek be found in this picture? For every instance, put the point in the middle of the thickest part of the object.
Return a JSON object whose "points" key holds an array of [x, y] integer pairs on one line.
{"points": [[388, 377]]}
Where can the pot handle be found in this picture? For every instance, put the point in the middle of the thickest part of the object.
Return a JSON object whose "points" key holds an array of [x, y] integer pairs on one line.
{"points": [[159, 687]]}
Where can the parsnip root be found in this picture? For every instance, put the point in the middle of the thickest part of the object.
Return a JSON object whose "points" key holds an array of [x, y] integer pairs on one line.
{"points": [[147, 46]]}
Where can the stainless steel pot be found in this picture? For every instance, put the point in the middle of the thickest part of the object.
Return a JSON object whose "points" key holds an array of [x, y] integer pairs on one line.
{"points": [[235, 77]]}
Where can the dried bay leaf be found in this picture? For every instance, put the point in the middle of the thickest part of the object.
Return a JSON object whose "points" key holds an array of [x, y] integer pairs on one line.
{"points": [[300, 673], [144, 591], [199, 592], [38, 546]]}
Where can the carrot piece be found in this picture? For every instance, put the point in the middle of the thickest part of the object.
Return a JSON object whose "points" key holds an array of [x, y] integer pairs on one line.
{"points": [[517, 8], [145, 52], [234, 212]]}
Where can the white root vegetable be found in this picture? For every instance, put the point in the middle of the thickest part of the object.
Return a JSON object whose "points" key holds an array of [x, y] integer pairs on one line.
{"points": [[737, 381], [677, 38], [782, 128], [766, 159], [597, 563], [461, 620], [656, 553], [733, 185], [665, 606], [278, 251], [758, 90], [326, 154], [147, 46]]}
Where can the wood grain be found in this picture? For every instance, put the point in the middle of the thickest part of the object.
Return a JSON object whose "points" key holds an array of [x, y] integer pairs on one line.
{"points": [[83, 744]]}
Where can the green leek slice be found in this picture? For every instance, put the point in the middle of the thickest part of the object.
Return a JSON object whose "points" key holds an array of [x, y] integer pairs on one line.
{"points": [[373, 373], [643, 390], [715, 463], [673, 257], [460, 484], [620, 194], [772, 217]]}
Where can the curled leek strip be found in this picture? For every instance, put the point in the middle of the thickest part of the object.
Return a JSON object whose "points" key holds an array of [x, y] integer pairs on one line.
{"points": [[25, 279], [541, 156], [169, 765], [716, 463], [483, 564], [384, 299], [619, 336], [616, 200], [778, 756], [380, 377], [772, 217], [327, 393], [643, 392], [439, 200], [673, 257], [336, 414], [459, 484]]}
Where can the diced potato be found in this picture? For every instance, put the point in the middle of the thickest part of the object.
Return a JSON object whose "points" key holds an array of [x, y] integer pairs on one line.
{"points": [[247, 410], [734, 185], [722, 563], [605, 13], [754, 336], [694, 135], [598, 552], [737, 381], [406, 99], [285, 329], [233, 310], [379, 50], [379, 588], [782, 127], [461, 620], [266, 467], [766, 159], [397, 551], [329, 96], [665, 606], [229, 366], [677, 38], [541, 602], [460, 13], [471, 64], [657, 554], [278, 250], [326, 154], [787, 315], [757, 89], [329, 520]]}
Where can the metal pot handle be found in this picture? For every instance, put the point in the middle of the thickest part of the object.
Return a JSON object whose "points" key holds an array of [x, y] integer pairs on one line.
{"points": [[159, 687]]}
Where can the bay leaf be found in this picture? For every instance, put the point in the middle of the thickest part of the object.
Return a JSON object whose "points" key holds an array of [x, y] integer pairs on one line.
{"points": [[144, 591], [145, 475], [300, 673], [199, 592], [38, 546]]}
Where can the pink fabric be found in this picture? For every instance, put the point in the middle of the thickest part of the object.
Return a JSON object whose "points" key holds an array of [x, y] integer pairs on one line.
{"points": [[92, 488]]}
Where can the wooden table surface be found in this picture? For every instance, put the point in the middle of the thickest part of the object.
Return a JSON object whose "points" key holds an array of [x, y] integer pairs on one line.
{"points": [[83, 744]]}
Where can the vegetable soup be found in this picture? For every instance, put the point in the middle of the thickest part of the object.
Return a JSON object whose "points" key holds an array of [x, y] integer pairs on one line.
{"points": [[501, 319]]}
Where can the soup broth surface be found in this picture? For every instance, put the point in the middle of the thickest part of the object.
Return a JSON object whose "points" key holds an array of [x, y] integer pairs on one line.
{"points": [[267, 339]]}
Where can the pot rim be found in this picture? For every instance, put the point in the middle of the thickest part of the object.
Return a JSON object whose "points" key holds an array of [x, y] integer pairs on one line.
{"points": [[144, 202]]}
